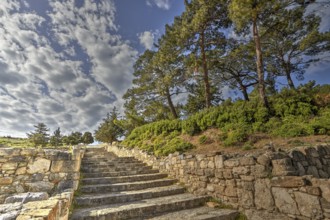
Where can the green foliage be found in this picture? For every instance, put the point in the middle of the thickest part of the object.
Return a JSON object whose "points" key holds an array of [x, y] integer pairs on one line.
{"points": [[109, 131], [56, 138], [293, 113], [87, 138], [40, 136]]}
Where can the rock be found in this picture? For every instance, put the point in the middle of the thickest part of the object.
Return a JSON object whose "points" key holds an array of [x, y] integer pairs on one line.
{"points": [[218, 161], [262, 215], [263, 195], [288, 181], [9, 166], [9, 151], [308, 205], [62, 166], [21, 171], [213, 204], [37, 177], [324, 185], [39, 165], [312, 170], [6, 180], [283, 167], [311, 190], [27, 197], [247, 161], [284, 202], [231, 163], [40, 186]]}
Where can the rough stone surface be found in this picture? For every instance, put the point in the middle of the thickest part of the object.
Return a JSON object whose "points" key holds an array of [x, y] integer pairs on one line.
{"points": [[263, 195], [266, 181], [27, 197], [39, 165], [284, 202], [308, 205]]}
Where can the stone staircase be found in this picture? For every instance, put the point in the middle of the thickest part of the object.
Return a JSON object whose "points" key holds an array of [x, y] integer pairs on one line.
{"points": [[124, 188]]}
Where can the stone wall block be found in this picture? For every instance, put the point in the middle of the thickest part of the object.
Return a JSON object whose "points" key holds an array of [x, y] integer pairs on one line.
{"points": [[312, 190], [263, 195], [18, 159], [308, 205], [39, 165], [283, 167], [312, 152], [6, 181], [241, 170], [227, 174], [312, 170], [219, 173], [210, 164], [297, 155], [288, 181], [264, 160], [247, 161], [219, 161], [260, 171], [9, 152], [65, 166], [40, 186], [284, 202], [230, 191], [231, 163], [9, 166]]}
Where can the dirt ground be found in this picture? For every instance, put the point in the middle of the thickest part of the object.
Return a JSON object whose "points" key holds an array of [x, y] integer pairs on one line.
{"points": [[255, 143]]}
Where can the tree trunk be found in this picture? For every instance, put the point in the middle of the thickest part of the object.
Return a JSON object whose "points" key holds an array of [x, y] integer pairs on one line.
{"points": [[260, 69], [245, 94], [205, 74], [170, 103], [290, 81]]}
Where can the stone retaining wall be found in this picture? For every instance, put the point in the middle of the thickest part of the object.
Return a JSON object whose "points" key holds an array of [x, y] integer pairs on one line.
{"points": [[268, 185], [54, 174]]}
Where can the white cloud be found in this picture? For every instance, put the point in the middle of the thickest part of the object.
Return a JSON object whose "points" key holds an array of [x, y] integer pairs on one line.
{"points": [[44, 79], [163, 4], [147, 39]]}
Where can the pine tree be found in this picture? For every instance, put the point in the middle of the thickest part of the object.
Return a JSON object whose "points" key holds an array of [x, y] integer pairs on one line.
{"points": [[40, 136], [56, 138], [108, 131]]}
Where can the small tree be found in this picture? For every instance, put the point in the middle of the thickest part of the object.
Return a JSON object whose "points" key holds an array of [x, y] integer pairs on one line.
{"points": [[40, 136], [75, 138], [108, 131], [87, 138], [56, 138]]}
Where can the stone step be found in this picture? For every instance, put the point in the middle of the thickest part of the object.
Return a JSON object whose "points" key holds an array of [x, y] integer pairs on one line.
{"points": [[113, 163], [107, 160], [140, 210], [201, 213], [109, 169], [119, 173], [116, 187], [129, 196], [122, 179]]}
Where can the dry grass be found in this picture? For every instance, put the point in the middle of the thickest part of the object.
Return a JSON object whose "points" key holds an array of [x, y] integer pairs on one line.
{"points": [[255, 142]]}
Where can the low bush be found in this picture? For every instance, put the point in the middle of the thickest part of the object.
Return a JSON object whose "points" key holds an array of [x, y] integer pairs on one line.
{"points": [[292, 113]]}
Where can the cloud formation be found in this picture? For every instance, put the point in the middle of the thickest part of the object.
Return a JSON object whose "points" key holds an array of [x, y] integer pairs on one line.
{"points": [[147, 39], [162, 4], [66, 69]]}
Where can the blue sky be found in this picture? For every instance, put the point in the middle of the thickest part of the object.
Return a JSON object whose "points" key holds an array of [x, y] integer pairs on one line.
{"points": [[66, 63]]}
